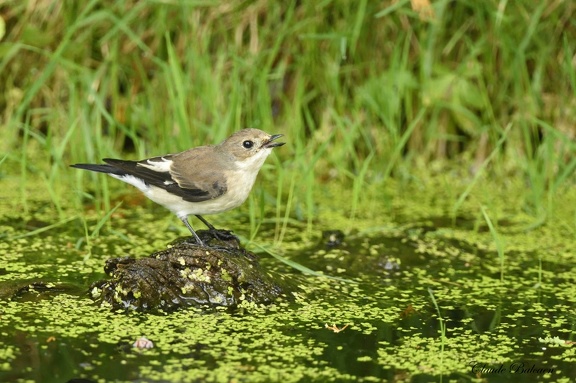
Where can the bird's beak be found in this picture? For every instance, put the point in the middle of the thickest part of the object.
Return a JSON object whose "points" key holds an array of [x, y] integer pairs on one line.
{"points": [[270, 142]]}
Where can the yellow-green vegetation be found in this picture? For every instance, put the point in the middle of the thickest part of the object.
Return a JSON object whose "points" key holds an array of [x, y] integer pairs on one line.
{"points": [[439, 138], [383, 325]]}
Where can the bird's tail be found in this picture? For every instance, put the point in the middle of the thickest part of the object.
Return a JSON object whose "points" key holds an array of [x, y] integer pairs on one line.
{"points": [[108, 169]]}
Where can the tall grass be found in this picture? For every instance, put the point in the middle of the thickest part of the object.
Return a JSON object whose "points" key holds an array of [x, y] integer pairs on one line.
{"points": [[498, 242], [442, 326], [358, 88]]}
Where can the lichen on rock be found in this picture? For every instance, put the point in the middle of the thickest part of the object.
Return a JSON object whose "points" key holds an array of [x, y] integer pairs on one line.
{"points": [[185, 274]]}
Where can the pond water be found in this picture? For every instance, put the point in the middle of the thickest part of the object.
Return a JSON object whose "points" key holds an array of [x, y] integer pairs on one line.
{"points": [[419, 297]]}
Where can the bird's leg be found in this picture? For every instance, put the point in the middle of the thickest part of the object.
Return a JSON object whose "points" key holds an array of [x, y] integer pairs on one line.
{"points": [[210, 227], [220, 234], [198, 240]]}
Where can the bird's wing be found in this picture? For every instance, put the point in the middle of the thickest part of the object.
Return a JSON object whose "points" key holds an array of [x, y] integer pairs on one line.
{"points": [[195, 170], [157, 171]]}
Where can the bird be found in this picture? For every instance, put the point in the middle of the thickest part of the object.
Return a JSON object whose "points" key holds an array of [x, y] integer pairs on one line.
{"points": [[204, 180]]}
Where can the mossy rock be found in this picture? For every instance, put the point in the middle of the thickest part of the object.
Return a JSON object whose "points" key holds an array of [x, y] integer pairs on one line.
{"points": [[185, 274]]}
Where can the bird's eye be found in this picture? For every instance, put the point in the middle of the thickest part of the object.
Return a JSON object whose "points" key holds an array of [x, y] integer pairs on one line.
{"points": [[248, 144]]}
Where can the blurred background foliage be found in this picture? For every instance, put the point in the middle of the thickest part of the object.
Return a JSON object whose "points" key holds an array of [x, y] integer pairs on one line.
{"points": [[356, 86]]}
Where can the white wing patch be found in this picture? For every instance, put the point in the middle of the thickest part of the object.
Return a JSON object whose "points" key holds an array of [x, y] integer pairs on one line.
{"points": [[162, 166]]}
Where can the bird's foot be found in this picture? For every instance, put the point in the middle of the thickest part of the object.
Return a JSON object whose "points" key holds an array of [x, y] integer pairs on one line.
{"points": [[223, 235], [216, 239]]}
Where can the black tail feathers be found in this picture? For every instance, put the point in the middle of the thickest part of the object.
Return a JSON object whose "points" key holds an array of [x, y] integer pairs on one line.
{"points": [[108, 169]]}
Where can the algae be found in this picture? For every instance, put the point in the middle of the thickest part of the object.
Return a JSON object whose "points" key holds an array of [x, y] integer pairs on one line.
{"points": [[382, 327]]}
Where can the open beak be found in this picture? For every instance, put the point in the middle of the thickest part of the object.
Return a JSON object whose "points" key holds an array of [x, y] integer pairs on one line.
{"points": [[271, 144]]}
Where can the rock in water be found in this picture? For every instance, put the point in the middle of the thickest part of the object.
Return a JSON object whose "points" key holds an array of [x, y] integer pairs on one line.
{"points": [[185, 274]]}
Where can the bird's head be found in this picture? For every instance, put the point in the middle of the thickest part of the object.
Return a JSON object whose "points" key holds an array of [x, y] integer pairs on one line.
{"points": [[250, 147]]}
